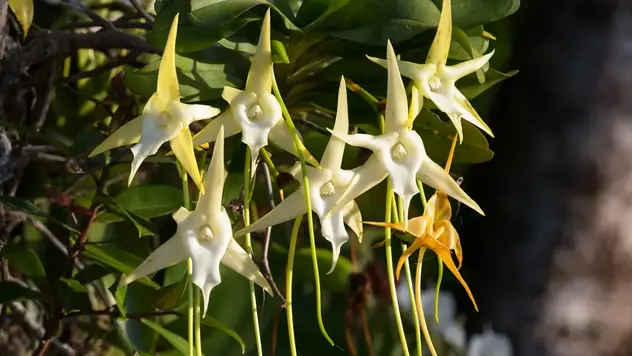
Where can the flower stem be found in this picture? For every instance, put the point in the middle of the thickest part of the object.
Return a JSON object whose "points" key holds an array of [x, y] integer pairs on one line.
{"points": [[389, 268], [198, 315], [248, 243], [186, 201], [422, 318], [437, 288], [190, 311], [308, 203], [289, 270], [409, 279]]}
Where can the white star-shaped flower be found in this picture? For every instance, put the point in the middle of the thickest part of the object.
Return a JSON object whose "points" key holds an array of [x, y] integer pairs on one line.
{"points": [[164, 118], [436, 81], [326, 185], [204, 235], [398, 153], [255, 111]]}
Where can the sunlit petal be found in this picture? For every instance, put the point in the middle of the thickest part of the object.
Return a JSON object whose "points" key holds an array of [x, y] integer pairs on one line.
{"points": [[281, 136], [462, 69], [166, 255], [126, 135], [209, 132], [239, 261], [332, 157], [167, 88], [211, 201], [438, 53], [260, 75], [396, 103], [333, 230], [353, 219], [182, 146], [194, 112], [288, 209], [230, 93], [469, 114]]}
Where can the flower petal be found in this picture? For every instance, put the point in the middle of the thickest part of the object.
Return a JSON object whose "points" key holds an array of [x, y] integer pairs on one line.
{"points": [[438, 53], [239, 261], [156, 130], [230, 93], [396, 102], [366, 177], [443, 252], [126, 135], [333, 230], [433, 175], [209, 132], [211, 201], [288, 209], [182, 146], [194, 112], [332, 157], [374, 143], [416, 104], [260, 75], [462, 69], [281, 136], [166, 255], [168, 89], [468, 113], [353, 219]]}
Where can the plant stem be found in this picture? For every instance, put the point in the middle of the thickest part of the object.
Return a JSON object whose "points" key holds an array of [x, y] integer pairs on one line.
{"points": [[409, 280], [422, 318], [437, 288], [289, 270], [308, 203], [186, 201], [389, 268], [248, 243], [198, 315]]}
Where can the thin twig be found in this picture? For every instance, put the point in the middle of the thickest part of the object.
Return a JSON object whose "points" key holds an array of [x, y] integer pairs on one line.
{"points": [[91, 14], [147, 16], [266, 244], [120, 61]]}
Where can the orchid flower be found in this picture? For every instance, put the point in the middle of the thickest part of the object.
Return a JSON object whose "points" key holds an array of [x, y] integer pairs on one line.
{"points": [[164, 118], [436, 81], [398, 153], [255, 111], [205, 236], [433, 230], [326, 184], [489, 343]]}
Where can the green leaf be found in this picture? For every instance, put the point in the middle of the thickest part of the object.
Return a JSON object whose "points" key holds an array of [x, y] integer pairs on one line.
{"points": [[198, 79], [218, 12], [492, 77], [13, 292], [437, 136], [119, 292], [150, 201], [177, 341], [279, 54], [168, 297], [313, 12], [24, 260], [74, 285], [23, 10], [28, 207], [143, 226], [375, 21], [214, 323], [117, 259]]}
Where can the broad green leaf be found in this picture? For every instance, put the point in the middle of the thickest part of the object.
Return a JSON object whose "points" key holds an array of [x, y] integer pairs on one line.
{"points": [[150, 201], [13, 292], [375, 21], [214, 323], [91, 273], [492, 77], [25, 260], [119, 293], [143, 226], [219, 12], [177, 341], [438, 135], [117, 259], [279, 54], [314, 12], [198, 80], [167, 297], [143, 338], [23, 10]]}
